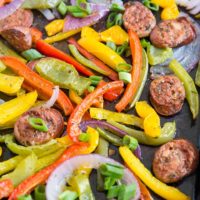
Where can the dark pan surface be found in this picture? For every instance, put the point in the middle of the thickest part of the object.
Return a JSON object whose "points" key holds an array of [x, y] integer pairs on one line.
{"points": [[186, 128]]}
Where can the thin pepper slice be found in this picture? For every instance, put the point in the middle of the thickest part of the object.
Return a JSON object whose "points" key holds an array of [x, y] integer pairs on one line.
{"points": [[51, 51], [31, 182], [6, 187], [163, 190], [75, 118], [190, 88], [32, 81], [132, 87], [54, 27]]}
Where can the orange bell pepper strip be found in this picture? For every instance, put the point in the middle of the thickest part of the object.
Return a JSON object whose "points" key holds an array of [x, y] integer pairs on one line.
{"points": [[132, 87], [36, 34], [3, 2], [33, 81], [51, 51], [40, 177], [73, 129], [112, 74], [6, 187]]}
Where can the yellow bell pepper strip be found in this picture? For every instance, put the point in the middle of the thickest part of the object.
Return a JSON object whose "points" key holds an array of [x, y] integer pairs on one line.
{"points": [[31, 182], [24, 169], [114, 34], [190, 88], [75, 118], [171, 12], [10, 84], [103, 52], [90, 33], [163, 190], [14, 108], [167, 133], [74, 97], [6, 187], [163, 3], [102, 114], [54, 27], [65, 140], [1, 151], [61, 36], [131, 89], [32, 81], [10, 164]]}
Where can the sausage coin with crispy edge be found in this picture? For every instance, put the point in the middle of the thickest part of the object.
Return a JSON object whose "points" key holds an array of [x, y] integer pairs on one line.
{"points": [[173, 33], [167, 95], [19, 37], [175, 160], [20, 17], [138, 18], [27, 135]]}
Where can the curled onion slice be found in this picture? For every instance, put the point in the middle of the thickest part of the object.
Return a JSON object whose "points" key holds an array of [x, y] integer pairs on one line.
{"points": [[53, 98], [62, 174], [47, 13]]}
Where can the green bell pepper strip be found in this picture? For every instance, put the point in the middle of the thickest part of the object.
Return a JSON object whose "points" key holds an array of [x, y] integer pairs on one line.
{"points": [[197, 77], [158, 55], [25, 197], [143, 78], [190, 88], [102, 114], [74, 51], [126, 192], [48, 160], [62, 8], [6, 51], [167, 133], [68, 195], [39, 150], [114, 139], [10, 164], [102, 147], [62, 74], [39, 193], [40, 4], [23, 170]]}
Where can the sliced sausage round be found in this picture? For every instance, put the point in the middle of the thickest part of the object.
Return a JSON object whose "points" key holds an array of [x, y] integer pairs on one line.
{"points": [[26, 135], [167, 95], [19, 37], [138, 18], [19, 18], [175, 160], [173, 33]]}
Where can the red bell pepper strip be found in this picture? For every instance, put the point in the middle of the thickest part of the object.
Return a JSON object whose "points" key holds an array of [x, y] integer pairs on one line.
{"points": [[40, 177], [51, 51], [6, 187], [132, 87], [33, 81], [73, 129], [112, 74]]}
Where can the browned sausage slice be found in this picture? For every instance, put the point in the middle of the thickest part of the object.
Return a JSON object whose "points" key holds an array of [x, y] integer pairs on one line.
{"points": [[138, 18], [19, 18], [173, 33], [167, 95], [27, 135], [19, 37], [175, 160]]}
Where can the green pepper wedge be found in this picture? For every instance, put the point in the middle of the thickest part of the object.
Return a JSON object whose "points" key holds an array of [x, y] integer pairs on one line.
{"points": [[143, 78], [190, 88], [24, 169], [167, 133], [63, 74], [197, 77]]}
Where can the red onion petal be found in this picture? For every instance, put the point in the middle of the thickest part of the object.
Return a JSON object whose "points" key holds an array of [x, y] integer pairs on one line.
{"points": [[48, 14], [53, 98], [32, 64], [62, 173], [10, 8], [72, 23]]}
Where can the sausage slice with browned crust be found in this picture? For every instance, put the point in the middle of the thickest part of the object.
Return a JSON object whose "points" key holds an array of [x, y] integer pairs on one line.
{"points": [[167, 95], [26, 135], [173, 33], [175, 160], [138, 18]]}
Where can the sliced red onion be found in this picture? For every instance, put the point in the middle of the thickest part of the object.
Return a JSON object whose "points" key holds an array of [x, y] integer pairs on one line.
{"points": [[62, 174], [47, 14], [105, 125], [10, 8], [98, 12], [56, 13], [193, 6], [188, 55], [53, 98], [107, 2]]}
